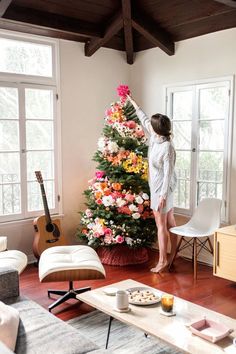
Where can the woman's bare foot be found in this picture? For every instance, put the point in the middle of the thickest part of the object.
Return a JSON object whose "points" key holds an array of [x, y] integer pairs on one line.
{"points": [[159, 267]]}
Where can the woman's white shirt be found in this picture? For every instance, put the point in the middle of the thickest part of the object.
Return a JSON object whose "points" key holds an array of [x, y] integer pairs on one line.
{"points": [[161, 159]]}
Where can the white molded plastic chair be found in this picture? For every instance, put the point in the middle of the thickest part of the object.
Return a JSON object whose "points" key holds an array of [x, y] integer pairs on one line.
{"points": [[204, 222]]}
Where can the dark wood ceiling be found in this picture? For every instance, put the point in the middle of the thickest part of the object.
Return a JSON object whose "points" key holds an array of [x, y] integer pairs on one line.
{"points": [[125, 25]]}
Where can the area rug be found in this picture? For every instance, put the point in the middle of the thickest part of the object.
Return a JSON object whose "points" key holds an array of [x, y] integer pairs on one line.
{"points": [[124, 339]]}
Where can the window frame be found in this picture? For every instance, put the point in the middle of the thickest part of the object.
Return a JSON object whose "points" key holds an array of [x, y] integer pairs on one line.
{"points": [[47, 80], [196, 86], [23, 81]]}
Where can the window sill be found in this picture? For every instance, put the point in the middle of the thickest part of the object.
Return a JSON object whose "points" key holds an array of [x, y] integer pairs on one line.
{"points": [[28, 221]]}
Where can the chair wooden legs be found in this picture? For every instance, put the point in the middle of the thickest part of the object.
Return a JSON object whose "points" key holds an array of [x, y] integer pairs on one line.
{"points": [[194, 242], [210, 246]]}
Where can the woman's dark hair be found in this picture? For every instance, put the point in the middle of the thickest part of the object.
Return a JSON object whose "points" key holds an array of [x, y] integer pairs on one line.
{"points": [[161, 125]]}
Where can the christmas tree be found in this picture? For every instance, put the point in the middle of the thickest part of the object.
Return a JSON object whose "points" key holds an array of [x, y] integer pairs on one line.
{"points": [[118, 205]]}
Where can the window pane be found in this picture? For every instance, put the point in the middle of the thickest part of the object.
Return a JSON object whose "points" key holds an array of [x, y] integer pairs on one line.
{"points": [[39, 104], [10, 199], [182, 192], [35, 201], [182, 135], [182, 105], [9, 135], [10, 164], [40, 161], [9, 183], [214, 103], [39, 135], [212, 135], [211, 162], [26, 58], [183, 164], [210, 175], [8, 102], [209, 190]]}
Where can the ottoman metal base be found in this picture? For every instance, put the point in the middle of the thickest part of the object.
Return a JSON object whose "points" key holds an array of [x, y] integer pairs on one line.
{"points": [[66, 295]]}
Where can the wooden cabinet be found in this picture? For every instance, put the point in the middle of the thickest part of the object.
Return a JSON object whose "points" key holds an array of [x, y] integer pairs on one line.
{"points": [[225, 253]]}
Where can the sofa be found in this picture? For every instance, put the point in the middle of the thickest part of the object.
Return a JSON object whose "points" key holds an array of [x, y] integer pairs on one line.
{"points": [[39, 331]]}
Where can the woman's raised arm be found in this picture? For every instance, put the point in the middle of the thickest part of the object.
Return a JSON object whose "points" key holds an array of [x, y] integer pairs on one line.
{"points": [[145, 121]]}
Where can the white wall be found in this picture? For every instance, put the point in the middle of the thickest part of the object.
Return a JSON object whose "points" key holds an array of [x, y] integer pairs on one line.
{"points": [[88, 86], [204, 57]]}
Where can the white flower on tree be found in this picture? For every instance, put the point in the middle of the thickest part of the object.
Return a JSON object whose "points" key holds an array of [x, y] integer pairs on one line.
{"points": [[129, 241], [112, 146], [101, 144], [136, 215], [91, 225], [139, 200], [108, 200], [133, 207], [120, 202], [145, 196]]}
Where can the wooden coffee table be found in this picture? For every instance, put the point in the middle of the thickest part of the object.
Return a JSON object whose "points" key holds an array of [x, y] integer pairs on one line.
{"points": [[172, 330]]}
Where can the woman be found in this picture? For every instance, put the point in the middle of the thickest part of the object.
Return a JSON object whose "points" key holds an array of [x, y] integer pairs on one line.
{"points": [[162, 179]]}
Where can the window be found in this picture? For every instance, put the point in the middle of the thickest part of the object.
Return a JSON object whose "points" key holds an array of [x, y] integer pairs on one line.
{"points": [[21, 57], [28, 129], [200, 119]]}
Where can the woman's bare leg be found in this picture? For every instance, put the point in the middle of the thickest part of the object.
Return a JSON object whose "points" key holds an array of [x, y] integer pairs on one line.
{"points": [[173, 238], [161, 223]]}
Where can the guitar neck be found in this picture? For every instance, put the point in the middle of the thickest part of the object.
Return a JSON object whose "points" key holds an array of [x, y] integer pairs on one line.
{"points": [[45, 205]]}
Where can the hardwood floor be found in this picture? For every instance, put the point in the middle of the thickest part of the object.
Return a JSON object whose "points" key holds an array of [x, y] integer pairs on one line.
{"points": [[209, 291]]}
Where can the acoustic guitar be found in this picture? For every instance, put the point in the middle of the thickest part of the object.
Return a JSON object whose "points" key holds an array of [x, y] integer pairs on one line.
{"points": [[47, 231]]}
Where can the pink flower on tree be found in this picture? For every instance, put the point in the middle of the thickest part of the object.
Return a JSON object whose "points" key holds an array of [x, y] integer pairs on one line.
{"points": [[139, 133], [119, 239], [108, 231], [108, 239], [96, 234], [130, 124], [108, 112], [123, 91], [88, 213], [99, 174], [129, 197]]}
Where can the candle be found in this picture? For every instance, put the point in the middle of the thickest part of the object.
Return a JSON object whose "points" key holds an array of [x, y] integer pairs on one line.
{"points": [[167, 302]]}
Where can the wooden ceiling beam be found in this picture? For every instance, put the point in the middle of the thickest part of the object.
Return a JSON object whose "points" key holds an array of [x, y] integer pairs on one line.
{"points": [[128, 34], [113, 28], [4, 4], [40, 31], [198, 27], [231, 3], [152, 32], [49, 20]]}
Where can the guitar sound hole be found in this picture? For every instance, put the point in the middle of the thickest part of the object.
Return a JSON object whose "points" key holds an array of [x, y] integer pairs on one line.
{"points": [[50, 227], [53, 228]]}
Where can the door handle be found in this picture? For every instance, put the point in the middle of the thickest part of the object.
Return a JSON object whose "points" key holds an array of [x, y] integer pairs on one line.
{"points": [[217, 253]]}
